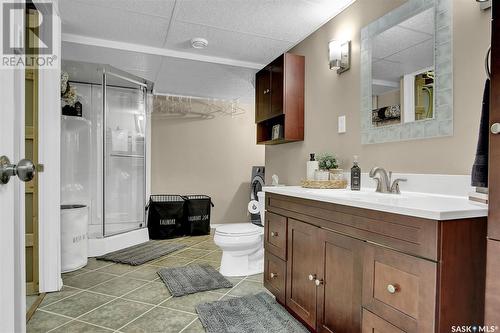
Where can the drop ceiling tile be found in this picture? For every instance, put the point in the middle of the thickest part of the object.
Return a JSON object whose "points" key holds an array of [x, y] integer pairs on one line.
{"points": [[408, 61], [140, 64], [387, 70], [194, 78], [416, 57], [289, 20], [162, 8], [423, 22], [395, 40], [113, 24], [226, 44]]}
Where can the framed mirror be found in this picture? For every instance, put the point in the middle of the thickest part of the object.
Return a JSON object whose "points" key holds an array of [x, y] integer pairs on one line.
{"points": [[406, 73]]}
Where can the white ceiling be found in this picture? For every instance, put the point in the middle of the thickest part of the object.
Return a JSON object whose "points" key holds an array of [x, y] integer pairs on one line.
{"points": [[403, 49], [150, 38]]}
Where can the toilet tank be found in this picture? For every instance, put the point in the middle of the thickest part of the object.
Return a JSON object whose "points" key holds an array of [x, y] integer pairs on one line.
{"points": [[262, 206]]}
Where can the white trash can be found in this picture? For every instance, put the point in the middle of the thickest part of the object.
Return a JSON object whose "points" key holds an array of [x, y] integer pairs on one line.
{"points": [[74, 222]]}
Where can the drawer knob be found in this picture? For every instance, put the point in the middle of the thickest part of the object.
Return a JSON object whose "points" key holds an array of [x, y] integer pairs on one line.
{"points": [[318, 282], [274, 275], [392, 288], [312, 277], [274, 234]]}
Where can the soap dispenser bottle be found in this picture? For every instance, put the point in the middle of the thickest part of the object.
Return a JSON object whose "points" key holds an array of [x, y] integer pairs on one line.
{"points": [[355, 175], [312, 166]]}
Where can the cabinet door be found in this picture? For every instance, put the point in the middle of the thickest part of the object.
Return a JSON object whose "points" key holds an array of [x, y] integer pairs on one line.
{"points": [[277, 88], [262, 94], [339, 291], [375, 324], [302, 268], [494, 146], [492, 312]]}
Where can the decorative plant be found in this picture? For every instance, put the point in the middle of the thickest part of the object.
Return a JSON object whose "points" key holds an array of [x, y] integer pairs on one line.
{"points": [[68, 93], [327, 161], [64, 82]]}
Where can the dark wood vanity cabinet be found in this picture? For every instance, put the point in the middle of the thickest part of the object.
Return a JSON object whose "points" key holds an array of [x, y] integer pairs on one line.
{"points": [[279, 99], [344, 269], [317, 258]]}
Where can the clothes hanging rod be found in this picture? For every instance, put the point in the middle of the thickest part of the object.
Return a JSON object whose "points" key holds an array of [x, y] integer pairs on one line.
{"points": [[195, 97]]}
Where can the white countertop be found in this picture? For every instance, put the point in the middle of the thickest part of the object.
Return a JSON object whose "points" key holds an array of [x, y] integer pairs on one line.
{"points": [[424, 205]]}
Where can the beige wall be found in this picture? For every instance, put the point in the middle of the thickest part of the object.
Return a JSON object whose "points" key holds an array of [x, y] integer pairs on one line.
{"points": [[388, 99], [328, 95], [212, 157]]}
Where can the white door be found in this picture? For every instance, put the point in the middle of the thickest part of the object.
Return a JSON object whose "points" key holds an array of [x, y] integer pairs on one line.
{"points": [[12, 264]]}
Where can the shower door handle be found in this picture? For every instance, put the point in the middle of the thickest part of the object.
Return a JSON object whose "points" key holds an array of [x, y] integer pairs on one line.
{"points": [[487, 63], [25, 170]]}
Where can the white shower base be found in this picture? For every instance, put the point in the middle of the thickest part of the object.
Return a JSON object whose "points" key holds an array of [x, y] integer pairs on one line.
{"points": [[101, 246]]}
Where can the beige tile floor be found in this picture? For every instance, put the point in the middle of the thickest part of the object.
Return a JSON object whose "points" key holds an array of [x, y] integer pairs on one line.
{"points": [[108, 297]]}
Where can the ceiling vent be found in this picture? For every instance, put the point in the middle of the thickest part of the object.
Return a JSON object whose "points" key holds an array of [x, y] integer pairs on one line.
{"points": [[199, 43]]}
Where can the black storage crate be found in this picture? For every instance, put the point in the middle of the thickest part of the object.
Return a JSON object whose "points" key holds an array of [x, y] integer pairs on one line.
{"points": [[197, 214], [166, 216]]}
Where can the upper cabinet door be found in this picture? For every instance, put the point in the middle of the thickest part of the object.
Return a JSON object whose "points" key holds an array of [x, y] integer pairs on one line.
{"points": [[340, 287], [277, 87], [262, 94], [302, 270]]}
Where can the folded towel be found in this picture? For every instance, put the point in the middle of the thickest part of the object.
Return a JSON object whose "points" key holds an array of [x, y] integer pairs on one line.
{"points": [[480, 168]]}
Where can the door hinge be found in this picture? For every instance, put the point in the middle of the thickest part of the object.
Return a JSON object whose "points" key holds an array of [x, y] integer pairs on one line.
{"points": [[40, 167]]}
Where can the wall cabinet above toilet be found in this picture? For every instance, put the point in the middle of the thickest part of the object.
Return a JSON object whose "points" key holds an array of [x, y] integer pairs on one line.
{"points": [[279, 100]]}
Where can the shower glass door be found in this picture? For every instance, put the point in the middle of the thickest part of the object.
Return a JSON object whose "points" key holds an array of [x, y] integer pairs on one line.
{"points": [[124, 154]]}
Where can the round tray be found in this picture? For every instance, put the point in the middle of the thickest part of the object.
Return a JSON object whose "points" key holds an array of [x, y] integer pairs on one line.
{"points": [[324, 184]]}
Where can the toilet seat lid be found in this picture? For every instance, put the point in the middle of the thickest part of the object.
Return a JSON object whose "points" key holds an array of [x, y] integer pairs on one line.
{"points": [[239, 229]]}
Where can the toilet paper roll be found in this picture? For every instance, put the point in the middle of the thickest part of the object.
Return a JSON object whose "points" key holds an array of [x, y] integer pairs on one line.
{"points": [[253, 207]]}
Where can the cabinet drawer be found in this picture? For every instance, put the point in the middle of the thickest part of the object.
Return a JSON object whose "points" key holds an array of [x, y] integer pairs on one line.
{"points": [[275, 234], [400, 288], [275, 276], [375, 324]]}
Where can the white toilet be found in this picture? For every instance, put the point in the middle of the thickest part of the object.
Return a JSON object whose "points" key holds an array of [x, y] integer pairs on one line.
{"points": [[242, 246]]}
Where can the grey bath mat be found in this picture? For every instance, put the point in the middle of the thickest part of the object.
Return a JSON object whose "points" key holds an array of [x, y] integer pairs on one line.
{"points": [[192, 278], [248, 314], [139, 254]]}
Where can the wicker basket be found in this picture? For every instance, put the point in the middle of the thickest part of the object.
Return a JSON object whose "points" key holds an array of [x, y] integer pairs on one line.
{"points": [[324, 184]]}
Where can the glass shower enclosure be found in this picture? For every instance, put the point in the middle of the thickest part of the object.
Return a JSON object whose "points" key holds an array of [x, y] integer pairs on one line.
{"points": [[116, 105]]}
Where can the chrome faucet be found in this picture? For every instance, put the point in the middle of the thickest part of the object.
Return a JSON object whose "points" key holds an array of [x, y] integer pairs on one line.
{"points": [[384, 181]]}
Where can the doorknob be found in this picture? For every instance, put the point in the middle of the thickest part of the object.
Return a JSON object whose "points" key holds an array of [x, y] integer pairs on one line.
{"points": [[25, 170], [495, 128]]}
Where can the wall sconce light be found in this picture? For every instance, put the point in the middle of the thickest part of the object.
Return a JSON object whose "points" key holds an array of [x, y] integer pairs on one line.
{"points": [[339, 55]]}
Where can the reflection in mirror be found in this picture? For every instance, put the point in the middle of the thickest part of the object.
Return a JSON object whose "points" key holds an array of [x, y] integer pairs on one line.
{"points": [[403, 71]]}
